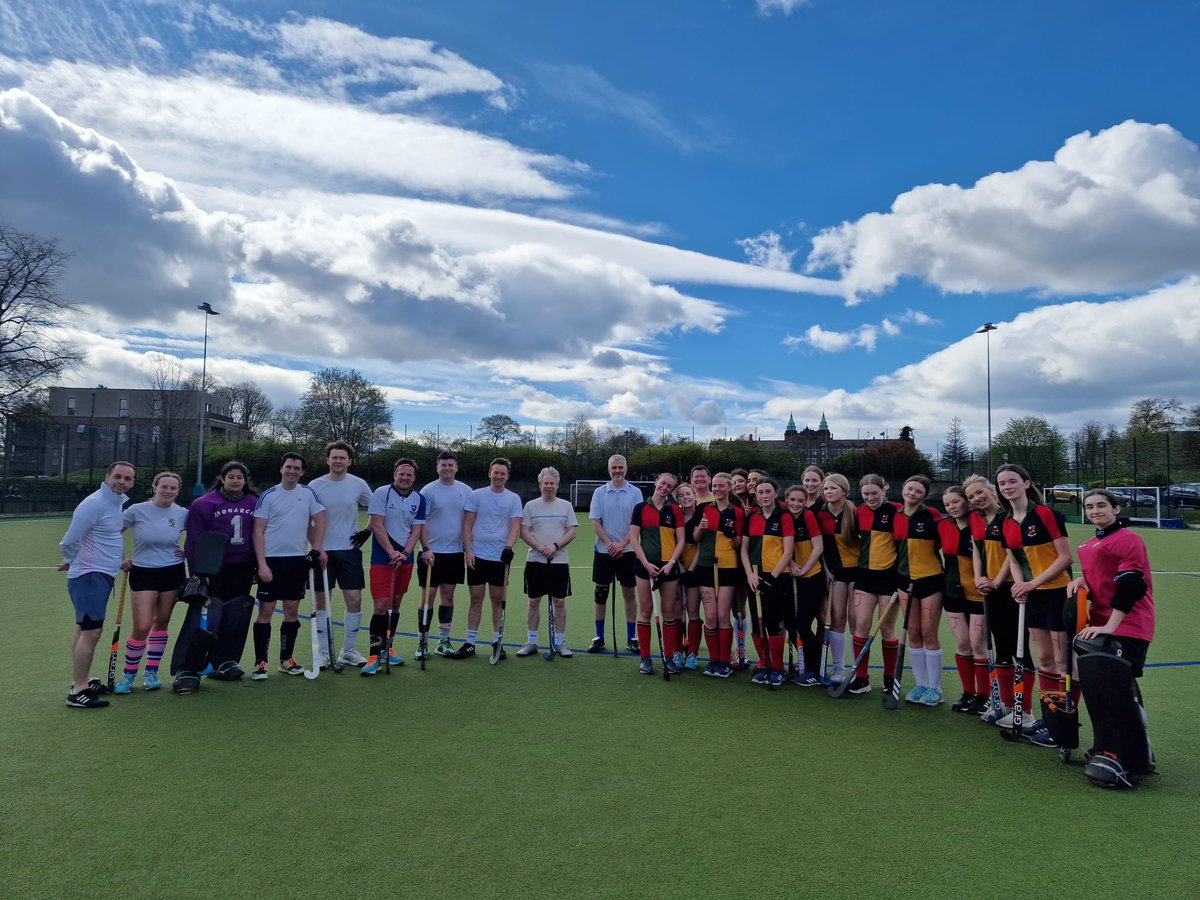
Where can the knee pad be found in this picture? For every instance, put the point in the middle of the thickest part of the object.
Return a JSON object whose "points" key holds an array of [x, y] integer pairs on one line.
{"points": [[601, 594], [90, 624]]}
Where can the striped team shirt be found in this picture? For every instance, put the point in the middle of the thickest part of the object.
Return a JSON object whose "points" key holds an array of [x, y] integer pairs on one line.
{"points": [[989, 543], [804, 528], [841, 552], [956, 551], [766, 537], [1032, 543], [876, 533], [657, 535], [917, 543]]}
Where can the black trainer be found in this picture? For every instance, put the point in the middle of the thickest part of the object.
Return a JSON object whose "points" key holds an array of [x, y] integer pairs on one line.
{"points": [[597, 645], [633, 646], [859, 686], [88, 698], [965, 703], [464, 651]]}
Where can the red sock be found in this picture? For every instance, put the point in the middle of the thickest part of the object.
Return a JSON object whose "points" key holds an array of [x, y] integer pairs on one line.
{"points": [[966, 672], [643, 633], [711, 644], [694, 628], [758, 649], [670, 638], [891, 649], [680, 634], [1005, 675], [775, 642], [1030, 678], [1046, 680], [982, 685], [725, 644], [859, 643]]}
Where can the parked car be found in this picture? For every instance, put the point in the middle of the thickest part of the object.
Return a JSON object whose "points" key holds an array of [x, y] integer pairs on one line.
{"points": [[1066, 493], [1183, 496], [1132, 497]]}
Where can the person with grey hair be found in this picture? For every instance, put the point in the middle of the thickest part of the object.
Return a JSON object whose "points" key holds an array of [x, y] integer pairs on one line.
{"points": [[547, 526], [611, 514]]}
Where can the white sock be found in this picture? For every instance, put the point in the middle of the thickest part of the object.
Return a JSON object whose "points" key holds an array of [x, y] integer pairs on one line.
{"points": [[933, 669], [533, 637], [560, 640], [353, 623], [472, 635], [916, 660], [320, 621], [495, 636], [837, 649]]}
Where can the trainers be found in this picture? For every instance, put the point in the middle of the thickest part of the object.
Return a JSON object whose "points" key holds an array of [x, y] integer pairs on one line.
{"points": [[979, 705], [528, 649], [646, 667], [774, 677], [931, 697], [444, 648], [395, 659], [690, 662], [678, 658], [372, 666], [836, 676], [260, 672], [1006, 721], [422, 653], [995, 715], [759, 677], [88, 698], [564, 650], [888, 684], [352, 657], [807, 679], [964, 703], [711, 669], [724, 670], [915, 695], [1040, 736], [464, 651], [324, 659], [633, 646], [289, 666], [153, 684], [671, 666], [597, 645], [859, 686], [741, 665], [125, 685]]}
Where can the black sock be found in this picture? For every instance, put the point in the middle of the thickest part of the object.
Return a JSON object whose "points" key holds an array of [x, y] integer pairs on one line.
{"points": [[262, 640], [287, 639], [379, 624], [445, 614]]}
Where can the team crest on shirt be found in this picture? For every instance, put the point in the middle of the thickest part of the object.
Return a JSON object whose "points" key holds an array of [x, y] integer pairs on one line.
{"points": [[171, 521], [1031, 531], [919, 528]]}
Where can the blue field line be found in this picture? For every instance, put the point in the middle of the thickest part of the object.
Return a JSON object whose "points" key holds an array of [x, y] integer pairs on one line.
{"points": [[583, 650]]}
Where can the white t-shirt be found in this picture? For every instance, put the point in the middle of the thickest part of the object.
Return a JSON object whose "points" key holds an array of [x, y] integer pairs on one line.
{"points": [[341, 500], [549, 521], [494, 515], [288, 514], [156, 533], [444, 515]]}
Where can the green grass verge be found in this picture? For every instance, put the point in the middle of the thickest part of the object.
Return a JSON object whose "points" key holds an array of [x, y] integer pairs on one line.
{"points": [[532, 778]]}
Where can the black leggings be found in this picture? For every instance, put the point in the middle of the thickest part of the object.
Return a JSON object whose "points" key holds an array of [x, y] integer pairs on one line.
{"points": [[773, 607], [800, 611], [1002, 616]]}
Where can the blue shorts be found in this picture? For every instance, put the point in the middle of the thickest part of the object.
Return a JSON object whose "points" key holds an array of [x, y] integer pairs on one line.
{"points": [[89, 595]]}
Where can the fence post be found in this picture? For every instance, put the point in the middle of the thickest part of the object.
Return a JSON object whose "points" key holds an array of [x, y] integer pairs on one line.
{"points": [[1133, 454]]}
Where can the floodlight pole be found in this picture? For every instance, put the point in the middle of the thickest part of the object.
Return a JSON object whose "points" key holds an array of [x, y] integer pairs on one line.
{"points": [[986, 330], [199, 489]]}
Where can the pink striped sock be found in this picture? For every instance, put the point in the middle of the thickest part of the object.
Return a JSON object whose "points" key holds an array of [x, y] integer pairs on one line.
{"points": [[158, 646], [133, 655]]}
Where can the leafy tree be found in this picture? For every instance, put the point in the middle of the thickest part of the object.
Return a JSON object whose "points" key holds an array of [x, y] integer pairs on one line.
{"points": [[498, 428], [1033, 442], [340, 404], [284, 424], [906, 434], [1152, 415], [31, 311], [955, 456]]}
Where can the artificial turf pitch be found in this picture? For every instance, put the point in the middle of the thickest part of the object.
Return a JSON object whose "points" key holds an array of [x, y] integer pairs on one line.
{"points": [[577, 777]]}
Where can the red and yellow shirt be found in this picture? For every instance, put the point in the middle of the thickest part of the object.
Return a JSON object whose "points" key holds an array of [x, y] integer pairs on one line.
{"points": [[989, 542], [766, 537], [804, 528], [657, 535], [956, 551], [876, 534], [841, 552], [917, 543], [1032, 543]]}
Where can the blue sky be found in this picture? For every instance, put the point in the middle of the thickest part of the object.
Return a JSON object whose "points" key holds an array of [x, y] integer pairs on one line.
{"points": [[670, 215]]}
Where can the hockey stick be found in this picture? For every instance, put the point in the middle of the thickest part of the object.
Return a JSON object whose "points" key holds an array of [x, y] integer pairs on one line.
{"points": [[1017, 732], [424, 619], [549, 655], [498, 644], [311, 674], [116, 638], [993, 679], [837, 690], [826, 623], [891, 699], [656, 596], [616, 649], [793, 638]]}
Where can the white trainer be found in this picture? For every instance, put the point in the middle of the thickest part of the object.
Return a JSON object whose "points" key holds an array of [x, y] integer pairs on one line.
{"points": [[352, 657], [528, 649]]}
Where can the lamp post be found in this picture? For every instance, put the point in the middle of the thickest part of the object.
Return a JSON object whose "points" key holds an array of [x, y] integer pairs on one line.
{"points": [[986, 329], [199, 489]]}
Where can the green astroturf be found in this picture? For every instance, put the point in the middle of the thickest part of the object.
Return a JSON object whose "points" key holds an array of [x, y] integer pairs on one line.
{"points": [[577, 777]]}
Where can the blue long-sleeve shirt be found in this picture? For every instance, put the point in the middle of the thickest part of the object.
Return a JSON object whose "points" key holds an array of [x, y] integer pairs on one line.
{"points": [[93, 542]]}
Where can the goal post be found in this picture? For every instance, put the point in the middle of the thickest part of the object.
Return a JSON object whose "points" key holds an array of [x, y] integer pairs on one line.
{"points": [[1140, 504]]}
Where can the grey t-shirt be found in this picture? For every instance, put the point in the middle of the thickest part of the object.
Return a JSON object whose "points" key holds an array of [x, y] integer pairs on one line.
{"points": [[288, 514], [494, 515], [341, 500], [549, 521], [443, 518], [156, 533]]}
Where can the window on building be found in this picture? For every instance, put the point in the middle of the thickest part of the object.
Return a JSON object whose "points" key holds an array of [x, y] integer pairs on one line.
{"points": [[123, 407], [70, 406], [154, 432], [122, 433]]}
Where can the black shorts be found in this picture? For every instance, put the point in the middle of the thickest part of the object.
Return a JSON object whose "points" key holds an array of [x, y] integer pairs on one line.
{"points": [[956, 603], [639, 570], [289, 581], [547, 580], [1044, 609], [486, 571], [164, 579], [344, 569], [448, 568], [234, 580], [880, 582], [1134, 650], [604, 567], [843, 575], [928, 586]]}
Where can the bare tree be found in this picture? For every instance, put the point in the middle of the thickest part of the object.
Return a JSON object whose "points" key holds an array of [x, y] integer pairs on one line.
{"points": [[284, 424], [1154, 414], [248, 406], [31, 312], [174, 403], [498, 428]]}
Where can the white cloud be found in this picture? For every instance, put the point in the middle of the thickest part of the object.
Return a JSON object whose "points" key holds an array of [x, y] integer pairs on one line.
{"points": [[1115, 211], [766, 250], [786, 7]]}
